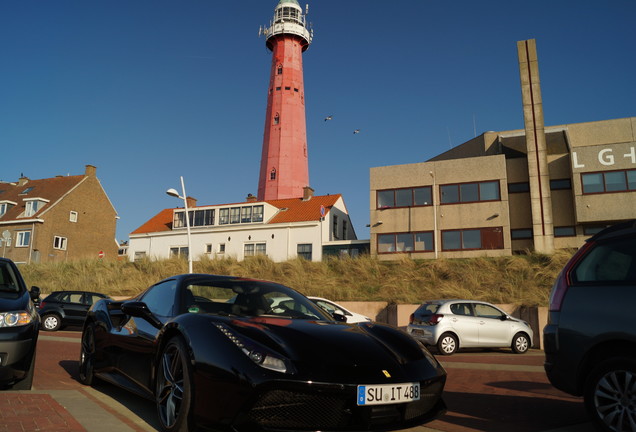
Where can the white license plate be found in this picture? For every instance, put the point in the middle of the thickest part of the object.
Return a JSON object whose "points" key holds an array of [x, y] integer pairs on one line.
{"points": [[379, 394]]}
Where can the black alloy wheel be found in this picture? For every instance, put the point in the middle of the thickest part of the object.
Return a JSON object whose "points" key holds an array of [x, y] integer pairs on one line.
{"points": [[87, 356], [610, 395], [173, 389]]}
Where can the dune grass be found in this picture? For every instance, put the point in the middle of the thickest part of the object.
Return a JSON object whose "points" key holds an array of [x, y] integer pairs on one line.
{"points": [[520, 279]]}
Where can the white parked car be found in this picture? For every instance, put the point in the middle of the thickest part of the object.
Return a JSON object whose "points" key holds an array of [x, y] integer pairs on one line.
{"points": [[454, 324], [331, 308]]}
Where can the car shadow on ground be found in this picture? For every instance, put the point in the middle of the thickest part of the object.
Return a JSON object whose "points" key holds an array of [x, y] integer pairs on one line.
{"points": [[503, 413]]}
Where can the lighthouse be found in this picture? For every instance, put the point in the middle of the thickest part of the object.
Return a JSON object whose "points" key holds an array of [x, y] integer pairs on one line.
{"points": [[284, 168]]}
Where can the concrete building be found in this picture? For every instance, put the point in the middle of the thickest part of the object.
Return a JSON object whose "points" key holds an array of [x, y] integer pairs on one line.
{"points": [[538, 189], [306, 227], [55, 219]]}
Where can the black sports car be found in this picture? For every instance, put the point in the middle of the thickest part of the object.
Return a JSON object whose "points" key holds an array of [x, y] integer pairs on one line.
{"points": [[238, 354]]}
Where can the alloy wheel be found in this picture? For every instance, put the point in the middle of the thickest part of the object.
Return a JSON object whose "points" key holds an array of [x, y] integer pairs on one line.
{"points": [[170, 385], [615, 400]]}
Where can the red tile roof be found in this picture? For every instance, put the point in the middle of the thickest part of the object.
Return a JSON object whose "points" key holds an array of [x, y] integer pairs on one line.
{"points": [[292, 210], [51, 189]]}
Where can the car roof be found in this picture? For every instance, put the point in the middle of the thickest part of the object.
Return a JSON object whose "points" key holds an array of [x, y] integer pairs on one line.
{"points": [[618, 230]]}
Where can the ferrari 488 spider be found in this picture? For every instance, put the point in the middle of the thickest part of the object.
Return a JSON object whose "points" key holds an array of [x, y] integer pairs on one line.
{"points": [[236, 354]]}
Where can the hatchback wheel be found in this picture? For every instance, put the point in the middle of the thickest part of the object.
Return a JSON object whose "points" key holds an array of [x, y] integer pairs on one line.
{"points": [[447, 344], [610, 395], [173, 389], [51, 322], [520, 343]]}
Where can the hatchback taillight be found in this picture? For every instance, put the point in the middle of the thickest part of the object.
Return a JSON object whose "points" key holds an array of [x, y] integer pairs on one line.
{"points": [[411, 318], [435, 319], [564, 280]]}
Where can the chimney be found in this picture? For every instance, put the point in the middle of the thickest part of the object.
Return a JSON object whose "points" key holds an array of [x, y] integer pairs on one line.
{"points": [[308, 192], [192, 202], [251, 198], [23, 180], [90, 171]]}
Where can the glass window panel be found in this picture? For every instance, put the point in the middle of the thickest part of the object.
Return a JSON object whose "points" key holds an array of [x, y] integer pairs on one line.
{"points": [[560, 184], [235, 215], [471, 239], [469, 192], [199, 217], [451, 240], [615, 181], [450, 194], [246, 214], [631, 179], [567, 231], [403, 197], [257, 213], [405, 242], [249, 249], [209, 217], [424, 241], [179, 220], [224, 216], [385, 198], [386, 243], [517, 234], [489, 191], [422, 196], [260, 249], [592, 183], [518, 187]]}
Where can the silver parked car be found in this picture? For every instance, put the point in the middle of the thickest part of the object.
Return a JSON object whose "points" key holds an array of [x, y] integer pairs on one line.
{"points": [[454, 324]]}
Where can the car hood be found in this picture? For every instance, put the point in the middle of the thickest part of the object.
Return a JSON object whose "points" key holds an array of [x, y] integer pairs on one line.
{"points": [[13, 301], [321, 349]]}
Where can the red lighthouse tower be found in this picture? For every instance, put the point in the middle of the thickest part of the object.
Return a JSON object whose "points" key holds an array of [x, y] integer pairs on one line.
{"points": [[284, 164]]}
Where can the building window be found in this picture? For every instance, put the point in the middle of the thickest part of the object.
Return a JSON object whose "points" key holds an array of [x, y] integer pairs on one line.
{"points": [[334, 228], [246, 214], [252, 249], [276, 119], [179, 252], [208, 248], [405, 197], [23, 239], [521, 234], [564, 231], [224, 216], [72, 217], [344, 229], [279, 70], [470, 192], [272, 174], [277, 88], [257, 213], [140, 256], [235, 215], [5, 206], [33, 206], [221, 248], [560, 184], [518, 187], [609, 181], [59, 243], [405, 242], [472, 239], [593, 229], [196, 218], [304, 251]]}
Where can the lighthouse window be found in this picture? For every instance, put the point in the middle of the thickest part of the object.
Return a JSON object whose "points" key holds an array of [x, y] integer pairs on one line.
{"points": [[296, 90], [280, 70], [276, 119], [287, 88], [272, 174], [278, 88]]}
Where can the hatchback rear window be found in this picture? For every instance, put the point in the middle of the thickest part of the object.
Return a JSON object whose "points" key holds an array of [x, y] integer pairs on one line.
{"points": [[612, 261], [428, 309]]}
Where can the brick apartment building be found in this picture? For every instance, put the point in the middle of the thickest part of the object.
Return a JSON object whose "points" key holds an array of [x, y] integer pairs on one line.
{"points": [[55, 219]]}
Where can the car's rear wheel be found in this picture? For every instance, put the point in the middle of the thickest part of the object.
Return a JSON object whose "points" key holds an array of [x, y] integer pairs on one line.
{"points": [[520, 343], [51, 322], [87, 356], [173, 387], [610, 395], [447, 344]]}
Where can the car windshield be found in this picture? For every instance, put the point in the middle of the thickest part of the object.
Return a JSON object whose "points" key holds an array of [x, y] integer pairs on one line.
{"points": [[8, 280], [249, 298]]}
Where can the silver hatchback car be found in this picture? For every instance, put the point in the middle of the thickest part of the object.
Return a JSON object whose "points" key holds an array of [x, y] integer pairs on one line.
{"points": [[451, 324]]}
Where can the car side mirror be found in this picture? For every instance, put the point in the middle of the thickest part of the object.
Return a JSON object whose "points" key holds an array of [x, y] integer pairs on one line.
{"points": [[505, 317], [34, 292], [337, 316], [140, 310]]}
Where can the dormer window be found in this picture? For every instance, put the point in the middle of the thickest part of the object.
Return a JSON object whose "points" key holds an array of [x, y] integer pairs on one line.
{"points": [[34, 205], [5, 206]]}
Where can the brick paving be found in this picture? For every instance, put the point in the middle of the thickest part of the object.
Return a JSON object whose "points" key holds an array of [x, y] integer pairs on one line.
{"points": [[34, 411]]}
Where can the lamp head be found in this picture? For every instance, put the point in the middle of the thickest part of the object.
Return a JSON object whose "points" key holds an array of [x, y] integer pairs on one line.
{"points": [[173, 193]]}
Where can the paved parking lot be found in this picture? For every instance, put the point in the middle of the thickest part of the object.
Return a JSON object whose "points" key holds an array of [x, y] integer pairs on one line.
{"points": [[486, 391]]}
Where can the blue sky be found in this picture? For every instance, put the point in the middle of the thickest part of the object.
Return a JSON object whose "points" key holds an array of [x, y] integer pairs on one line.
{"points": [[150, 90]]}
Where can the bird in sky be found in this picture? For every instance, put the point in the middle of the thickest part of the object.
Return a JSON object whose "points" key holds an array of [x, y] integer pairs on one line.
{"points": [[357, 131], [328, 118]]}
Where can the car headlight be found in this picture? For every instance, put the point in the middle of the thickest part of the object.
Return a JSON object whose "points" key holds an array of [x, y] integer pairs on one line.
{"points": [[15, 319], [256, 352]]}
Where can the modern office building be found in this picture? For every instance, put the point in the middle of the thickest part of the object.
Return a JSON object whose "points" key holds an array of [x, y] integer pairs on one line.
{"points": [[537, 189]]}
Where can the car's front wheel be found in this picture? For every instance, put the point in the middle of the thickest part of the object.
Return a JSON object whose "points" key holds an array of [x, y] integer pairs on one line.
{"points": [[51, 322], [610, 395], [447, 344], [87, 356], [173, 390], [520, 343]]}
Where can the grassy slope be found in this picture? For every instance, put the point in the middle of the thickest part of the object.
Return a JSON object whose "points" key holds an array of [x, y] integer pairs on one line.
{"points": [[520, 279]]}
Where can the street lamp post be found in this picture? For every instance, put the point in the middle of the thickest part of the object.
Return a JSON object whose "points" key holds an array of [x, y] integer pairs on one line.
{"points": [[174, 193], [434, 214]]}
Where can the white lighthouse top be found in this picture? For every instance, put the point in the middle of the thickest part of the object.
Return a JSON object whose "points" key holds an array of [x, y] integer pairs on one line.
{"points": [[288, 19]]}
